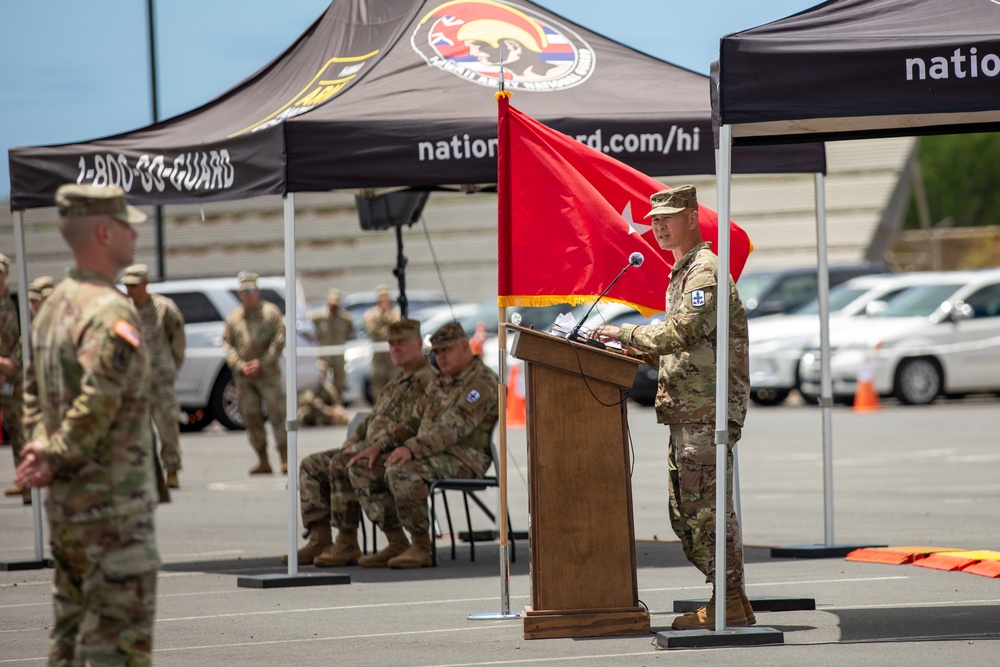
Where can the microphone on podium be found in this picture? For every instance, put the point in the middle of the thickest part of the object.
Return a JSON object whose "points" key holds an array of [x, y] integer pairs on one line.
{"points": [[635, 259]]}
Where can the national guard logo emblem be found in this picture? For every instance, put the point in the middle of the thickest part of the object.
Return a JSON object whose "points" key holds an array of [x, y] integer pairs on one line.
{"points": [[698, 298], [471, 38], [472, 396]]}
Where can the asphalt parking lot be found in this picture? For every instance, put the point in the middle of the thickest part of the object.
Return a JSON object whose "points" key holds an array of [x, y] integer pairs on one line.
{"points": [[902, 476]]}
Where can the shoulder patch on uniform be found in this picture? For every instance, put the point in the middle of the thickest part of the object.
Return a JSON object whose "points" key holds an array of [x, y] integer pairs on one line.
{"points": [[698, 298], [127, 333], [472, 396]]}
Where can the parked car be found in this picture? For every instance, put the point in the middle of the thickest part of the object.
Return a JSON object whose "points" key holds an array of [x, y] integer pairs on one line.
{"points": [[205, 387], [778, 342], [932, 340], [772, 291]]}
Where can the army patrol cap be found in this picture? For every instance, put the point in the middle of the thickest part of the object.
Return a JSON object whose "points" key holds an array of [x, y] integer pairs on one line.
{"points": [[381, 291], [80, 201], [247, 279], [136, 274], [4, 263], [447, 336], [676, 200], [41, 287], [404, 329], [333, 297]]}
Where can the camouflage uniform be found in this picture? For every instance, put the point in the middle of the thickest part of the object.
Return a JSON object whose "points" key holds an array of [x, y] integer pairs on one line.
{"points": [[684, 349], [258, 333], [11, 388], [333, 329], [448, 432], [319, 407], [86, 398], [377, 323], [162, 327], [326, 492]]}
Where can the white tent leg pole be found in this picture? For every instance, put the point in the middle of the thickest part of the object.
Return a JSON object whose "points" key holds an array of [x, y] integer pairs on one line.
{"points": [[505, 611], [737, 506], [826, 384], [22, 303], [722, 377], [291, 385]]}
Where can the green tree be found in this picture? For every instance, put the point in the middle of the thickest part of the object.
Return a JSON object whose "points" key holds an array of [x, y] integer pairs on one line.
{"points": [[960, 176]]}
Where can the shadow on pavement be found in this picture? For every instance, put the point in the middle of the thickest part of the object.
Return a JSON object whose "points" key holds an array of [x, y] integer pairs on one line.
{"points": [[649, 554], [947, 623]]}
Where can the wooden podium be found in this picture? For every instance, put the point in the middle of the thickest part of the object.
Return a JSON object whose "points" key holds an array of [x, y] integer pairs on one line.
{"points": [[581, 536]]}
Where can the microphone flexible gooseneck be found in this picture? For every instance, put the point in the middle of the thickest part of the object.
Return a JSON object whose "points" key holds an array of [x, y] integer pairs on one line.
{"points": [[635, 259]]}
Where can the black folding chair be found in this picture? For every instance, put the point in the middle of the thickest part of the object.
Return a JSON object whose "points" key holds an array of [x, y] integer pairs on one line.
{"points": [[469, 488]]}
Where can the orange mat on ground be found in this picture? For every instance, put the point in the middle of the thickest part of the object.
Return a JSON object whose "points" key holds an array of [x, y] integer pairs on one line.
{"points": [[985, 568], [949, 561], [893, 555]]}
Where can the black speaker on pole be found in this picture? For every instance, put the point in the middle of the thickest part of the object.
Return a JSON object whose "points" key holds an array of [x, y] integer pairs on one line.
{"points": [[393, 209]]}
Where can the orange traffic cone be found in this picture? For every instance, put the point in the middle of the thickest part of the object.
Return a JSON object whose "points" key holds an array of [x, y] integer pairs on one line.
{"points": [[516, 417], [865, 396]]}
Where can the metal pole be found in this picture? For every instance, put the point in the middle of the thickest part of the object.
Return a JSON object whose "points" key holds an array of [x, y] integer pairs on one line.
{"points": [[826, 383], [722, 384], [22, 308], [505, 611], [161, 269], [291, 385]]}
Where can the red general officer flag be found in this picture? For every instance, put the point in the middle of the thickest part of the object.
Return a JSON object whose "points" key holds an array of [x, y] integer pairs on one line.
{"points": [[570, 216]]}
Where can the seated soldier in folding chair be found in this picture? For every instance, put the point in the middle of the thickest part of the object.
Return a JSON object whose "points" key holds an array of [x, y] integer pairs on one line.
{"points": [[445, 435], [324, 489]]}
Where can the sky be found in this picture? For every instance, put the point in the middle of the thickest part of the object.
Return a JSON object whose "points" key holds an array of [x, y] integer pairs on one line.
{"points": [[74, 71]]}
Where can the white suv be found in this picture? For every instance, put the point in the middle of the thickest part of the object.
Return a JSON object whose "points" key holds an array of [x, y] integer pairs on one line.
{"points": [[205, 388]]}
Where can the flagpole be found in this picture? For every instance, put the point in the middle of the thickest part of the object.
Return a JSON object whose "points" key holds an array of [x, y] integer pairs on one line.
{"points": [[503, 215]]}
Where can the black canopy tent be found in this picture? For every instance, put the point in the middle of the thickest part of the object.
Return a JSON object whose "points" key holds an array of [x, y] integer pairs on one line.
{"points": [[373, 95], [849, 69], [864, 68], [399, 93]]}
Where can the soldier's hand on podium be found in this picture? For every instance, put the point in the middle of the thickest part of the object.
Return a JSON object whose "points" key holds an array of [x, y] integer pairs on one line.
{"points": [[605, 333]]}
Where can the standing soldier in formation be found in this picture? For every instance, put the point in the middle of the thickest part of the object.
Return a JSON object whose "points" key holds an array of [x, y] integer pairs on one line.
{"points": [[333, 327], [253, 340], [11, 380], [162, 327], [325, 491], [446, 434], [377, 321], [86, 416], [683, 347]]}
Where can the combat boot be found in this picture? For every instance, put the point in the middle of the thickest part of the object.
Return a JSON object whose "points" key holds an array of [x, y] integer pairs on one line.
{"points": [[13, 490], [747, 608], [704, 618], [263, 465], [172, 481], [418, 555], [345, 551], [398, 544], [284, 461], [320, 537]]}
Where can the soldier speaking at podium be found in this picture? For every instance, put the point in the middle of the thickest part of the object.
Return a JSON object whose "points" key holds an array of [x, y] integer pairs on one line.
{"points": [[683, 348]]}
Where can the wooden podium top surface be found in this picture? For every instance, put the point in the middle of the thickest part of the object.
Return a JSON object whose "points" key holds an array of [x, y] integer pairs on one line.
{"points": [[543, 348]]}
